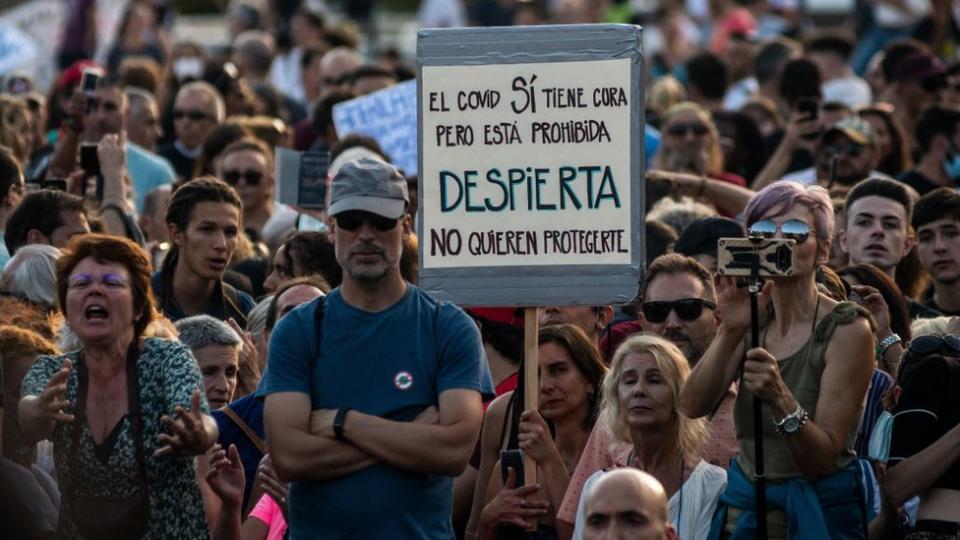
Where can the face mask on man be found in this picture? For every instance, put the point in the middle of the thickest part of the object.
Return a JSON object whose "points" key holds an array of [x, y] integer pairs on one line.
{"points": [[951, 165]]}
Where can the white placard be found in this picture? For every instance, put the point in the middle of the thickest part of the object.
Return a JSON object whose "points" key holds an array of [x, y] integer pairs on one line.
{"points": [[527, 164]]}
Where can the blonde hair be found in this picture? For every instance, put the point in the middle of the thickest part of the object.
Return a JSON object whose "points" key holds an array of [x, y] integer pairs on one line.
{"points": [[690, 433], [15, 127], [666, 92], [934, 326]]}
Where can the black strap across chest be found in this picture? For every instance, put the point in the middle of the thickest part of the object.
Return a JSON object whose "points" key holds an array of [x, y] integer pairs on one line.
{"points": [[134, 413]]}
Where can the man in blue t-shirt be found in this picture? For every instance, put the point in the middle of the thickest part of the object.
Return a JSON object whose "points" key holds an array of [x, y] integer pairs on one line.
{"points": [[374, 405]]}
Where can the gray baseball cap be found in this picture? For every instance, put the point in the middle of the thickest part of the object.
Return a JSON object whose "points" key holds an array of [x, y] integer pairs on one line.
{"points": [[369, 185]]}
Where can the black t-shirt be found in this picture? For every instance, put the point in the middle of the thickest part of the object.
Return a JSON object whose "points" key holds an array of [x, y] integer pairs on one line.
{"points": [[921, 310], [918, 181], [928, 408], [931, 304], [182, 164]]}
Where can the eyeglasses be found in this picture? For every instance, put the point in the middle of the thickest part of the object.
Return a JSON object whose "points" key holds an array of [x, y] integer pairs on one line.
{"points": [[688, 309], [851, 149], [681, 129], [934, 84], [251, 176], [793, 229], [110, 280], [947, 344], [354, 219], [194, 116]]}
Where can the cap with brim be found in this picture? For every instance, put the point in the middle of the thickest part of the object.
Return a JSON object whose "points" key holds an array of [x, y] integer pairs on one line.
{"points": [[919, 66], [700, 237], [371, 186], [854, 128]]}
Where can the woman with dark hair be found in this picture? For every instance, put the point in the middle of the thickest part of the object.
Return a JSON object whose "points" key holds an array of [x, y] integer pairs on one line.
{"points": [[893, 144], [138, 34], [810, 373], [892, 316], [303, 254], [126, 414], [217, 140], [571, 379], [875, 291]]}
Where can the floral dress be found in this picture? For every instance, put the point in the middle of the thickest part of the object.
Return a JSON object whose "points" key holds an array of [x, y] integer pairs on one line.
{"points": [[167, 375]]}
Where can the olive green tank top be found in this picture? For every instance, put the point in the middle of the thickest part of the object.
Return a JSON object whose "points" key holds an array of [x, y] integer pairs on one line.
{"points": [[801, 372]]}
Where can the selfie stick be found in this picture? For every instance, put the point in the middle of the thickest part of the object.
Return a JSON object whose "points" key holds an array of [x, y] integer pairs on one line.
{"points": [[759, 478]]}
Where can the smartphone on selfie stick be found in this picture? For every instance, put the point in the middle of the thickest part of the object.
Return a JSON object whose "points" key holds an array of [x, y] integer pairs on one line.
{"points": [[90, 163], [756, 257]]}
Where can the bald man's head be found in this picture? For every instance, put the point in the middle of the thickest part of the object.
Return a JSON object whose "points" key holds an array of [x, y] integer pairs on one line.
{"points": [[627, 504]]}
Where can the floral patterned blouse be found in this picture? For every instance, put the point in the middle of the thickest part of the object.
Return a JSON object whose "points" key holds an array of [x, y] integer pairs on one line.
{"points": [[168, 376]]}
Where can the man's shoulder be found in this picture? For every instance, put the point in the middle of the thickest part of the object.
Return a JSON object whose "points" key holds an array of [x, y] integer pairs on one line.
{"points": [[144, 158]]}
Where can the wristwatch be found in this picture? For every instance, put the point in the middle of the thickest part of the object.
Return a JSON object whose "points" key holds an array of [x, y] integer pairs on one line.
{"points": [[338, 423], [791, 423], [888, 342]]}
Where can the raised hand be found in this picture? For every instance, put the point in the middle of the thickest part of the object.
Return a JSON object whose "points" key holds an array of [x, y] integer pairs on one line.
{"points": [[225, 474], [53, 400], [188, 432], [733, 303]]}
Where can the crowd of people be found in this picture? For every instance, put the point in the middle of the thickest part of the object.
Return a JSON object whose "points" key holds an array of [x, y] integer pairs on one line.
{"points": [[183, 356]]}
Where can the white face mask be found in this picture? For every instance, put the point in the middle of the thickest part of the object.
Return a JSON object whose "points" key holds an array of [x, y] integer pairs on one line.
{"points": [[188, 67]]}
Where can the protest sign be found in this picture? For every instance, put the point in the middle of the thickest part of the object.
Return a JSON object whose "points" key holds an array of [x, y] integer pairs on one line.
{"points": [[301, 178], [390, 117], [531, 152]]}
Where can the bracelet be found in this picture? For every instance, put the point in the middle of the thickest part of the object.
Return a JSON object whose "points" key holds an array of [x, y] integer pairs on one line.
{"points": [[338, 423], [888, 342]]}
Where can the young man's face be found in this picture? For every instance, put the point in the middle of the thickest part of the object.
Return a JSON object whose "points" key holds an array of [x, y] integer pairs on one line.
{"points": [[207, 244], [876, 232], [107, 113], [938, 245], [73, 222]]}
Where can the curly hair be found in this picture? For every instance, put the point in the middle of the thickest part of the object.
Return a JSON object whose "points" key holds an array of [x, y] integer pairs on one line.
{"points": [[689, 433]]}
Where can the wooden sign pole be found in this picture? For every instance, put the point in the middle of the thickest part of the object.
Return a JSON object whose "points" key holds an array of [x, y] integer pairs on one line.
{"points": [[531, 379]]}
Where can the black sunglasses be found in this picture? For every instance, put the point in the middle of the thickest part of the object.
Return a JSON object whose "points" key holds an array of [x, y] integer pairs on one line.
{"points": [[688, 309], [354, 219], [680, 129], [934, 84], [251, 176], [194, 116], [793, 229], [852, 149], [948, 345]]}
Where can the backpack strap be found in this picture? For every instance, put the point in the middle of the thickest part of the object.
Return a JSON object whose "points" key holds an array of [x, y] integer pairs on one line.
{"points": [[232, 301], [245, 428], [318, 321]]}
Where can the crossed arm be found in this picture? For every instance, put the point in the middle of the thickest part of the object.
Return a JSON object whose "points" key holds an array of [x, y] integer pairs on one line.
{"points": [[442, 446]]}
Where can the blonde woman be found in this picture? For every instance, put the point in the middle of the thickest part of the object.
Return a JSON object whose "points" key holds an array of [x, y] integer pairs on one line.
{"points": [[640, 407]]}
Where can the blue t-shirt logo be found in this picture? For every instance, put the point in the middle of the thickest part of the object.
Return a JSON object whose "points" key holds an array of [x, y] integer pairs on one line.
{"points": [[403, 380]]}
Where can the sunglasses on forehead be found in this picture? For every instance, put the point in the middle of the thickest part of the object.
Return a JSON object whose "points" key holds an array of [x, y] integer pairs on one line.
{"points": [[354, 219], [793, 229], [947, 345], [251, 177], [688, 309]]}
